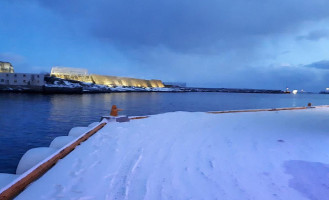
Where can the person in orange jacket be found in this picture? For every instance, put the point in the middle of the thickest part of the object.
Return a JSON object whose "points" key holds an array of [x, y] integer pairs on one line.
{"points": [[115, 110]]}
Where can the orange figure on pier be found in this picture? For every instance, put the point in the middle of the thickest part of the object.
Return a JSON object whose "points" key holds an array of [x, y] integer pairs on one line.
{"points": [[115, 110]]}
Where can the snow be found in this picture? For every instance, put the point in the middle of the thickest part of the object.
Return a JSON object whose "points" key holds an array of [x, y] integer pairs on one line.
{"points": [[33, 157], [78, 131], [93, 124], [165, 89], [70, 84], [140, 89], [90, 87], [61, 141], [183, 155], [6, 178]]}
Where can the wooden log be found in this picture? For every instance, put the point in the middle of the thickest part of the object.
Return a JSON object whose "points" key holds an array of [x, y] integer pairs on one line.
{"points": [[256, 110], [16, 188], [141, 117]]}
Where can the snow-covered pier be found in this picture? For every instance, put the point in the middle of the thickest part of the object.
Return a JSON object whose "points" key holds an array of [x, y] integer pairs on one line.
{"points": [[271, 154]]}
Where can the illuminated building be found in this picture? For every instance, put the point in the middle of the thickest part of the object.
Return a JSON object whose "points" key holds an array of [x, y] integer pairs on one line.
{"points": [[6, 67], [9, 78], [111, 81]]}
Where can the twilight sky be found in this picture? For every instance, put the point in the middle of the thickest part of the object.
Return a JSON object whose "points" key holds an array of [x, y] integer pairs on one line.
{"points": [[266, 44]]}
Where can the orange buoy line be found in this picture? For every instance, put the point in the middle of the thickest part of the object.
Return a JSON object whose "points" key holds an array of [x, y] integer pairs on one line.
{"points": [[140, 117], [262, 110], [11, 191]]}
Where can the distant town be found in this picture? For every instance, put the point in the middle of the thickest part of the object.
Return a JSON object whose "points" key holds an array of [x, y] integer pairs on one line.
{"points": [[76, 80]]}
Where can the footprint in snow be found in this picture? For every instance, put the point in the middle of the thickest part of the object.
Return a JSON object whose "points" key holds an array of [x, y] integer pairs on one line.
{"points": [[211, 164], [77, 163], [59, 189]]}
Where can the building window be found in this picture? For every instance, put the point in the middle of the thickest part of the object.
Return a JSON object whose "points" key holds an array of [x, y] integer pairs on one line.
{"points": [[15, 75], [38, 76], [2, 80], [7, 75], [24, 75], [24, 81], [15, 81]]}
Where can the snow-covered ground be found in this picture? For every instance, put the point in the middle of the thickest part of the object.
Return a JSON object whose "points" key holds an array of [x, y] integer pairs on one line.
{"points": [[139, 89], [90, 87], [183, 155]]}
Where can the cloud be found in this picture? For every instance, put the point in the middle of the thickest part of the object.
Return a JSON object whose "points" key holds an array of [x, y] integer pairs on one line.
{"points": [[315, 35], [211, 43], [11, 57], [323, 64], [188, 25], [277, 77]]}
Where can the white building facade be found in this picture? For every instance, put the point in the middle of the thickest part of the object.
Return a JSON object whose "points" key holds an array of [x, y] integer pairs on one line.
{"points": [[21, 79]]}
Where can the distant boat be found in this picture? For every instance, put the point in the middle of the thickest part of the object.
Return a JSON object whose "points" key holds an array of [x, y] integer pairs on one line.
{"points": [[294, 91]]}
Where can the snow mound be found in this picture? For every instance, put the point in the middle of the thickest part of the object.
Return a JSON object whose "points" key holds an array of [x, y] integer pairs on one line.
{"points": [[78, 131], [33, 157], [93, 124], [61, 141]]}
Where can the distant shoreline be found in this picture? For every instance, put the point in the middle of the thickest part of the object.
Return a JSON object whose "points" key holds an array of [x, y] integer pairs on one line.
{"points": [[56, 85], [80, 90]]}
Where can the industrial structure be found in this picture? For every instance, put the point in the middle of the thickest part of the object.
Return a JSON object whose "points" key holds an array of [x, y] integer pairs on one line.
{"points": [[22, 79], [111, 81], [68, 73], [116, 81], [175, 84], [9, 79], [6, 67]]}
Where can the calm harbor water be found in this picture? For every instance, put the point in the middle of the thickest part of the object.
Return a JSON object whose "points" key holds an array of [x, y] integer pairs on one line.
{"points": [[34, 120]]}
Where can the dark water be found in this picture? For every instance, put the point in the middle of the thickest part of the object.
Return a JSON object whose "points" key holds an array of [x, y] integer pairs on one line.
{"points": [[33, 120]]}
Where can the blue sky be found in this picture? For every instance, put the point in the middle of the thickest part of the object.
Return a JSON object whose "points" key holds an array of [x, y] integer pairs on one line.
{"points": [[211, 43]]}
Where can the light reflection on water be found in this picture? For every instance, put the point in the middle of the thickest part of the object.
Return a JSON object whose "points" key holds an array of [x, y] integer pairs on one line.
{"points": [[34, 120]]}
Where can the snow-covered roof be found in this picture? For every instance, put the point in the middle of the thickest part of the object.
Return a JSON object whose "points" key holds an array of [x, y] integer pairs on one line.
{"points": [[68, 71]]}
